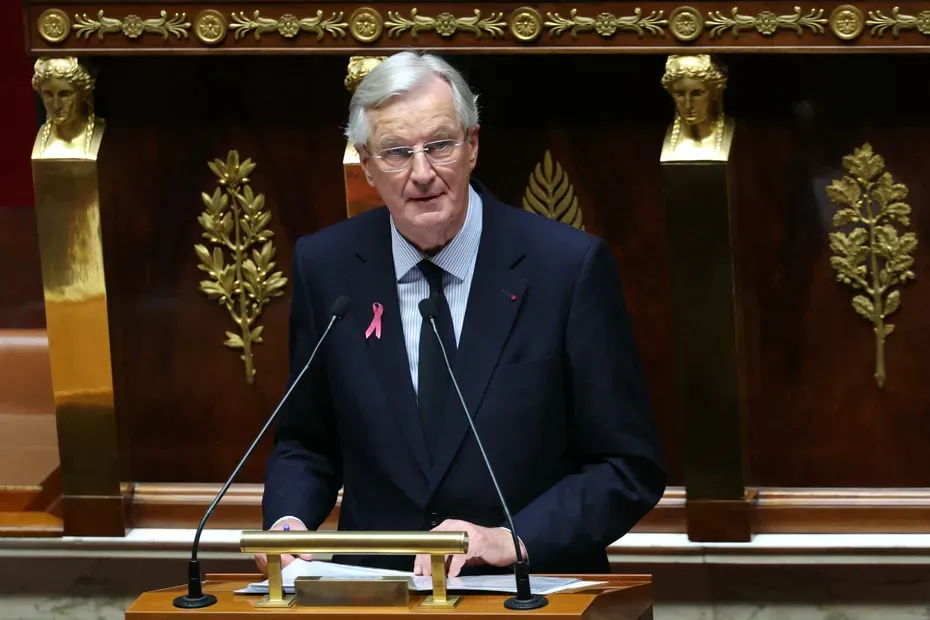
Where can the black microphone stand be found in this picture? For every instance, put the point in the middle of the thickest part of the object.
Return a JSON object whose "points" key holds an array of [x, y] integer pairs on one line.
{"points": [[195, 597]]}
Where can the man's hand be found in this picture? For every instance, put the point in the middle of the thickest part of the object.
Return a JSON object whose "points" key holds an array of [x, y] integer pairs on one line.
{"points": [[486, 545], [262, 560]]}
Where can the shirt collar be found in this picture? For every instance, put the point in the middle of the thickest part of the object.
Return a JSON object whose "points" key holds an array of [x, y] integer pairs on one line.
{"points": [[455, 257]]}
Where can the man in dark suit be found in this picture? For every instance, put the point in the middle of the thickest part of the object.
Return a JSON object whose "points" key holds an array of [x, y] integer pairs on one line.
{"points": [[532, 314]]}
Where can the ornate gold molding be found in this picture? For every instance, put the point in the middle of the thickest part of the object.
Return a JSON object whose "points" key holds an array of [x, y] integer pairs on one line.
{"points": [[445, 24], [873, 257], [289, 25], [234, 220], [132, 26], [765, 23], [606, 24], [879, 22], [551, 194]]}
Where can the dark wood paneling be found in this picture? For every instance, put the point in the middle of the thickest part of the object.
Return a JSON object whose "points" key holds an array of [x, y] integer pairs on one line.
{"points": [[21, 303], [180, 393], [817, 417]]}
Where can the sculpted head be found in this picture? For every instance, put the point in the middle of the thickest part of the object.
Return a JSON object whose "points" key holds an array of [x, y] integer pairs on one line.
{"points": [[66, 89], [696, 85], [414, 121]]}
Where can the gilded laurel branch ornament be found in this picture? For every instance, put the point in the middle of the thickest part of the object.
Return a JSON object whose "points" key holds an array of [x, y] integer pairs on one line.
{"points": [[550, 194], [289, 25], [606, 24], [765, 23], [234, 220], [873, 257], [897, 21], [132, 26], [445, 24]]}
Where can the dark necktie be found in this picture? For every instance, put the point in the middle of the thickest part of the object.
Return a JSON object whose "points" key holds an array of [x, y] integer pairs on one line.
{"points": [[432, 377]]}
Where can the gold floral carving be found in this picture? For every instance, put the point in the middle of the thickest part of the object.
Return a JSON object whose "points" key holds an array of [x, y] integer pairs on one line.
{"points": [[685, 23], [873, 257], [289, 25], [526, 24], [897, 21], [366, 24], [606, 24], [210, 26], [847, 22], [550, 194], [54, 25], [234, 220], [132, 26], [445, 24], [765, 23]]}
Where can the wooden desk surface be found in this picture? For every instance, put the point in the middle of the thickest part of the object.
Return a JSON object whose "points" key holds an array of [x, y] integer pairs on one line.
{"points": [[625, 597]]}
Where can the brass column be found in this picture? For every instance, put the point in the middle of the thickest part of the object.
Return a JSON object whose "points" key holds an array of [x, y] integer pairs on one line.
{"points": [[64, 168], [697, 187]]}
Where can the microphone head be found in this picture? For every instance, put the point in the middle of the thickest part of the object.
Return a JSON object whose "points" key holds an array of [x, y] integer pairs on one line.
{"points": [[428, 308], [340, 307]]}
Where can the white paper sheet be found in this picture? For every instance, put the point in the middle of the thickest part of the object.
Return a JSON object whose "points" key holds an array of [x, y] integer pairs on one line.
{"points": [[483, 583]]}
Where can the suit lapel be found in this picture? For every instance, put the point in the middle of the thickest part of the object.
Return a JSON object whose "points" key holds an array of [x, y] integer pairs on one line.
{"points": [[493, 303], [376, 283]]}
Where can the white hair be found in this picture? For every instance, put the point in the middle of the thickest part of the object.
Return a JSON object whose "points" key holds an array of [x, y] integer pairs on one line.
{"points": [[398, 75]]}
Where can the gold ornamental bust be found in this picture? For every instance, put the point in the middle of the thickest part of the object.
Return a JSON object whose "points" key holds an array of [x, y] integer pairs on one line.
{"points": [[71, 130], [701, 130]]}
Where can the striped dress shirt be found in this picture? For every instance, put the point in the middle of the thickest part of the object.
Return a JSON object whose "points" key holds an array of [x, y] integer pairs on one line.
{"points": [[457, 260]]}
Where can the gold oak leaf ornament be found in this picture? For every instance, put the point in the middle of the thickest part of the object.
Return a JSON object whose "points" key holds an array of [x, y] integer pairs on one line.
{"points": [[234, 220], [873, 257]]}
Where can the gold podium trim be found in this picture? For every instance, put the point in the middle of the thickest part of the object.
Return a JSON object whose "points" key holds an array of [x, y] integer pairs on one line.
{"points": [[278, 542]]}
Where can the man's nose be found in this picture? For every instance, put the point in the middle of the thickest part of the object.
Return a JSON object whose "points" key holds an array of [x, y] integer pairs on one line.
{"points": [[421, 171]]}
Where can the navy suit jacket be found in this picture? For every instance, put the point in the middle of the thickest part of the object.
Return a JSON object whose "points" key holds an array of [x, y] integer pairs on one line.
{"points": [[546, 363]]}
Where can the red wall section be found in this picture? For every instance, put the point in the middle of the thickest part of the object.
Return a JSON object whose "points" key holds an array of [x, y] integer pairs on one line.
{"points": [[18, 123]]}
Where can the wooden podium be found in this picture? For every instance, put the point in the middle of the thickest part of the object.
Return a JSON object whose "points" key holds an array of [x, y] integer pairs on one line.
{"points": [[623, 597]]}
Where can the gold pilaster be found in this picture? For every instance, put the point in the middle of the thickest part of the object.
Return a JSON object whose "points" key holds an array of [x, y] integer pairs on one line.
{"points": [[360, 195], [65, 180], [697, 185]]}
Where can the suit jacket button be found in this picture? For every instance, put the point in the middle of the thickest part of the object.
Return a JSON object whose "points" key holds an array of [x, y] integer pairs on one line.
{"points": [[433, 519]]}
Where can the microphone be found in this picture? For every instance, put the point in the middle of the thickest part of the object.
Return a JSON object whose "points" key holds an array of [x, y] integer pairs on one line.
{"points": [[195, 597], [525, 599]]}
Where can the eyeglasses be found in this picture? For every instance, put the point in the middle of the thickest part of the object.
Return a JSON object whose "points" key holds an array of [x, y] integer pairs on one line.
{"points": [[438, 152]]}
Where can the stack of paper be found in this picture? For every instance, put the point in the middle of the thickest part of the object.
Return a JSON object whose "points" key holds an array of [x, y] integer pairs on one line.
{"points": [[420, 583]]}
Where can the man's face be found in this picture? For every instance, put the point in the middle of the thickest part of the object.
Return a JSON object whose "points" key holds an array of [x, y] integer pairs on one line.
{"points": [[61, 101], [693, 100], [429, 199]]}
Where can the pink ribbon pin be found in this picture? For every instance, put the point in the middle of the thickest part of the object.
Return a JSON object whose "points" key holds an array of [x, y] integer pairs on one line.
{"points": [[375, 322]]}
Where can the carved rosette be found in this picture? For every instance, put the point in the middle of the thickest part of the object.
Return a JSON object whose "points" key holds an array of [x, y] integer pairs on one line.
{"points": [[366, 24], [685, 23], [526, 24], [54, 25], [210, 27], [847, 22]]}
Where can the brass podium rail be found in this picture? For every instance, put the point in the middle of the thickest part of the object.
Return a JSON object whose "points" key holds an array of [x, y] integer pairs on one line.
{"points": [[277, 543]]}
